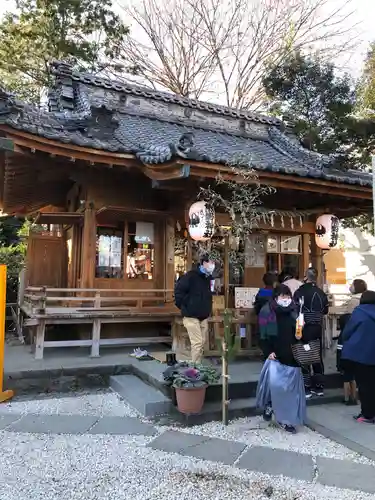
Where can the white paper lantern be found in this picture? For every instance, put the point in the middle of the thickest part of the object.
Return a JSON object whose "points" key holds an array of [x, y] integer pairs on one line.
{"points": [[327, 231], [201, 221]]}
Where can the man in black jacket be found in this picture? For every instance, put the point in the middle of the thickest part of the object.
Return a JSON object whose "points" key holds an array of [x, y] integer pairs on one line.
{"points": [[193, 297], [314, 303]]}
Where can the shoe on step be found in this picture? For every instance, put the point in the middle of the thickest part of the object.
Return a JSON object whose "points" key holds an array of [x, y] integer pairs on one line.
{"points": [[351, 402], [318, 391], [308, 394], [267, 414], [288, 428], [362, 420]]}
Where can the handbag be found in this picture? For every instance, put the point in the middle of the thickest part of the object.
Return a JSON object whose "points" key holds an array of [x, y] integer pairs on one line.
{"points": [[307, 354]]}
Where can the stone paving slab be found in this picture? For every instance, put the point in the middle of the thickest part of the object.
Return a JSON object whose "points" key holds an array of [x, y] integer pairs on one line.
{"points": [[122, 426], [53, 424], [202, 447], [346, 475], [7, 420], [278, 463], [335, 422]]}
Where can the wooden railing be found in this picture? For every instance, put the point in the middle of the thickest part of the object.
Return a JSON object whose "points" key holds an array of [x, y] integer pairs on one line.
{"points": [[40, 299]]}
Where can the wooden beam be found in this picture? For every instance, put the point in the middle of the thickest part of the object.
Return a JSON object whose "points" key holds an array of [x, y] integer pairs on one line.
{"points": [[22, 139], [305, 253], [166, 174], [88, 247], [226, 270], [210, 170], [169, 256], [223, 219], [317, 260]]}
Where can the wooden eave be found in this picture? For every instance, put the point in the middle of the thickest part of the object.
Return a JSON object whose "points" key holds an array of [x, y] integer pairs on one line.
{"points": [[174, 169], [106, 213], [63, 218]]}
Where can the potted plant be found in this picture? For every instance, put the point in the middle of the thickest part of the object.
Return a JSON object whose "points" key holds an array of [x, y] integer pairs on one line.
{"points": [[190, 381]]}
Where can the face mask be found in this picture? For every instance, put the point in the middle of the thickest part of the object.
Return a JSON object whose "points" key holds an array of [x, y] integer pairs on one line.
{"points": [[207, 270], [351, 289], [284, 302], [210, 268]]}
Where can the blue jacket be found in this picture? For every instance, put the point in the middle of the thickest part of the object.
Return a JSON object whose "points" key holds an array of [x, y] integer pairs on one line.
{"points": [[359, 336]]}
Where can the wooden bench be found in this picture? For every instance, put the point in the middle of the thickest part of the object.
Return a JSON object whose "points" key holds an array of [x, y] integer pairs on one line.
{"points": [[42, 308]]}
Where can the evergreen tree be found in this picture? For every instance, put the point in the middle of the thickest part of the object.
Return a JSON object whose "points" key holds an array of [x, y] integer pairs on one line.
{"points": [[87, 31], [322, 108]]}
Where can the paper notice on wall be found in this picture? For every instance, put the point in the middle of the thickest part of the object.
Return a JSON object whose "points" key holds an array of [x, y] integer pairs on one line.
{"points": [[244, 298], [115, 260], [104, 251]]}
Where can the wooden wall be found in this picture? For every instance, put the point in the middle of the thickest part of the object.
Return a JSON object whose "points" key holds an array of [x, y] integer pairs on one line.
{"points": [[136, 201], [46, 260]]}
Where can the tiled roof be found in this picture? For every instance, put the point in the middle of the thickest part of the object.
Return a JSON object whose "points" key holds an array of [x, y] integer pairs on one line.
{"points": [[86, 110]]}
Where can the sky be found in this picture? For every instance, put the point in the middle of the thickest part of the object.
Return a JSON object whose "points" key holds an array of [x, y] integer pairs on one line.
{"points": [[364, 17]]}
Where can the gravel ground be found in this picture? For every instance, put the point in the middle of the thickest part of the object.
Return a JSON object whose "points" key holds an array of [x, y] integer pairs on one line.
{"points": [[97, 467], [255, 432], [98, 403], [252, 431]]}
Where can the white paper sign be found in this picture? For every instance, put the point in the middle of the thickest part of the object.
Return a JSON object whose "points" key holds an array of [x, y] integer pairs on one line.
{"points": [[244, 297]]}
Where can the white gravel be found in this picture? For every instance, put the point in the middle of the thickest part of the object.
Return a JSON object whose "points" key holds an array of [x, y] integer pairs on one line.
{"points": [[100, 403], [35, 467], [255, 432]]}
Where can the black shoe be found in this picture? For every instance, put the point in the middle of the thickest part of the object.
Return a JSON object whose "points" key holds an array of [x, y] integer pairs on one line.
{"points": [[288, 428], [308, 393], [351, 402], [318, 391], [267, 414]]}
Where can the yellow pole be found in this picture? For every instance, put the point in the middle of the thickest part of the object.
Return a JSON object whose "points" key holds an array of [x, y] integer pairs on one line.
{"points": [[4, 395]]}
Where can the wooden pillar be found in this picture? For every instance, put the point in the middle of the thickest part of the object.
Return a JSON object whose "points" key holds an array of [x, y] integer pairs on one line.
{"points": [[169, 257], [88, 247], [226, 271], [306, 258], [189, 254], [317, 261]]}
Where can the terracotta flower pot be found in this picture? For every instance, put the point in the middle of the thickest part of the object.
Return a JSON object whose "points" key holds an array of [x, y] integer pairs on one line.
{"points": [[190, 400]]}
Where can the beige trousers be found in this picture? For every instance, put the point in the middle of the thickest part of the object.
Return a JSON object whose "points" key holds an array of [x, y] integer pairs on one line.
{"points": [[198, 332]]}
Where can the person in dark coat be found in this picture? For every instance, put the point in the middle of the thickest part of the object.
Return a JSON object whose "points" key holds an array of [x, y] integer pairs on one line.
{"points": [[350, 388], [314, 305], [277, 321], [358, 353], [193, 297]]}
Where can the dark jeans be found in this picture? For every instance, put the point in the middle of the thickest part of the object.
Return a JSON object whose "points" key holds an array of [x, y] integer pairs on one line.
{"points": [[365, 378], [313, 375]]}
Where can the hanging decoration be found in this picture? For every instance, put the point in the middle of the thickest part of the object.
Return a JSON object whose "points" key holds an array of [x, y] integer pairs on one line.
{"points": [[201, 221], [327, 231]]}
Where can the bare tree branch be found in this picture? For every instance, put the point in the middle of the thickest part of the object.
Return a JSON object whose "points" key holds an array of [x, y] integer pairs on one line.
{"points": [[221, 50]]}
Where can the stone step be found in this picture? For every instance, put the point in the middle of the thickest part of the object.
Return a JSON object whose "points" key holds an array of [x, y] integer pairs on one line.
{"points": [[242, 387], [145, 398], [243, 407]]}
